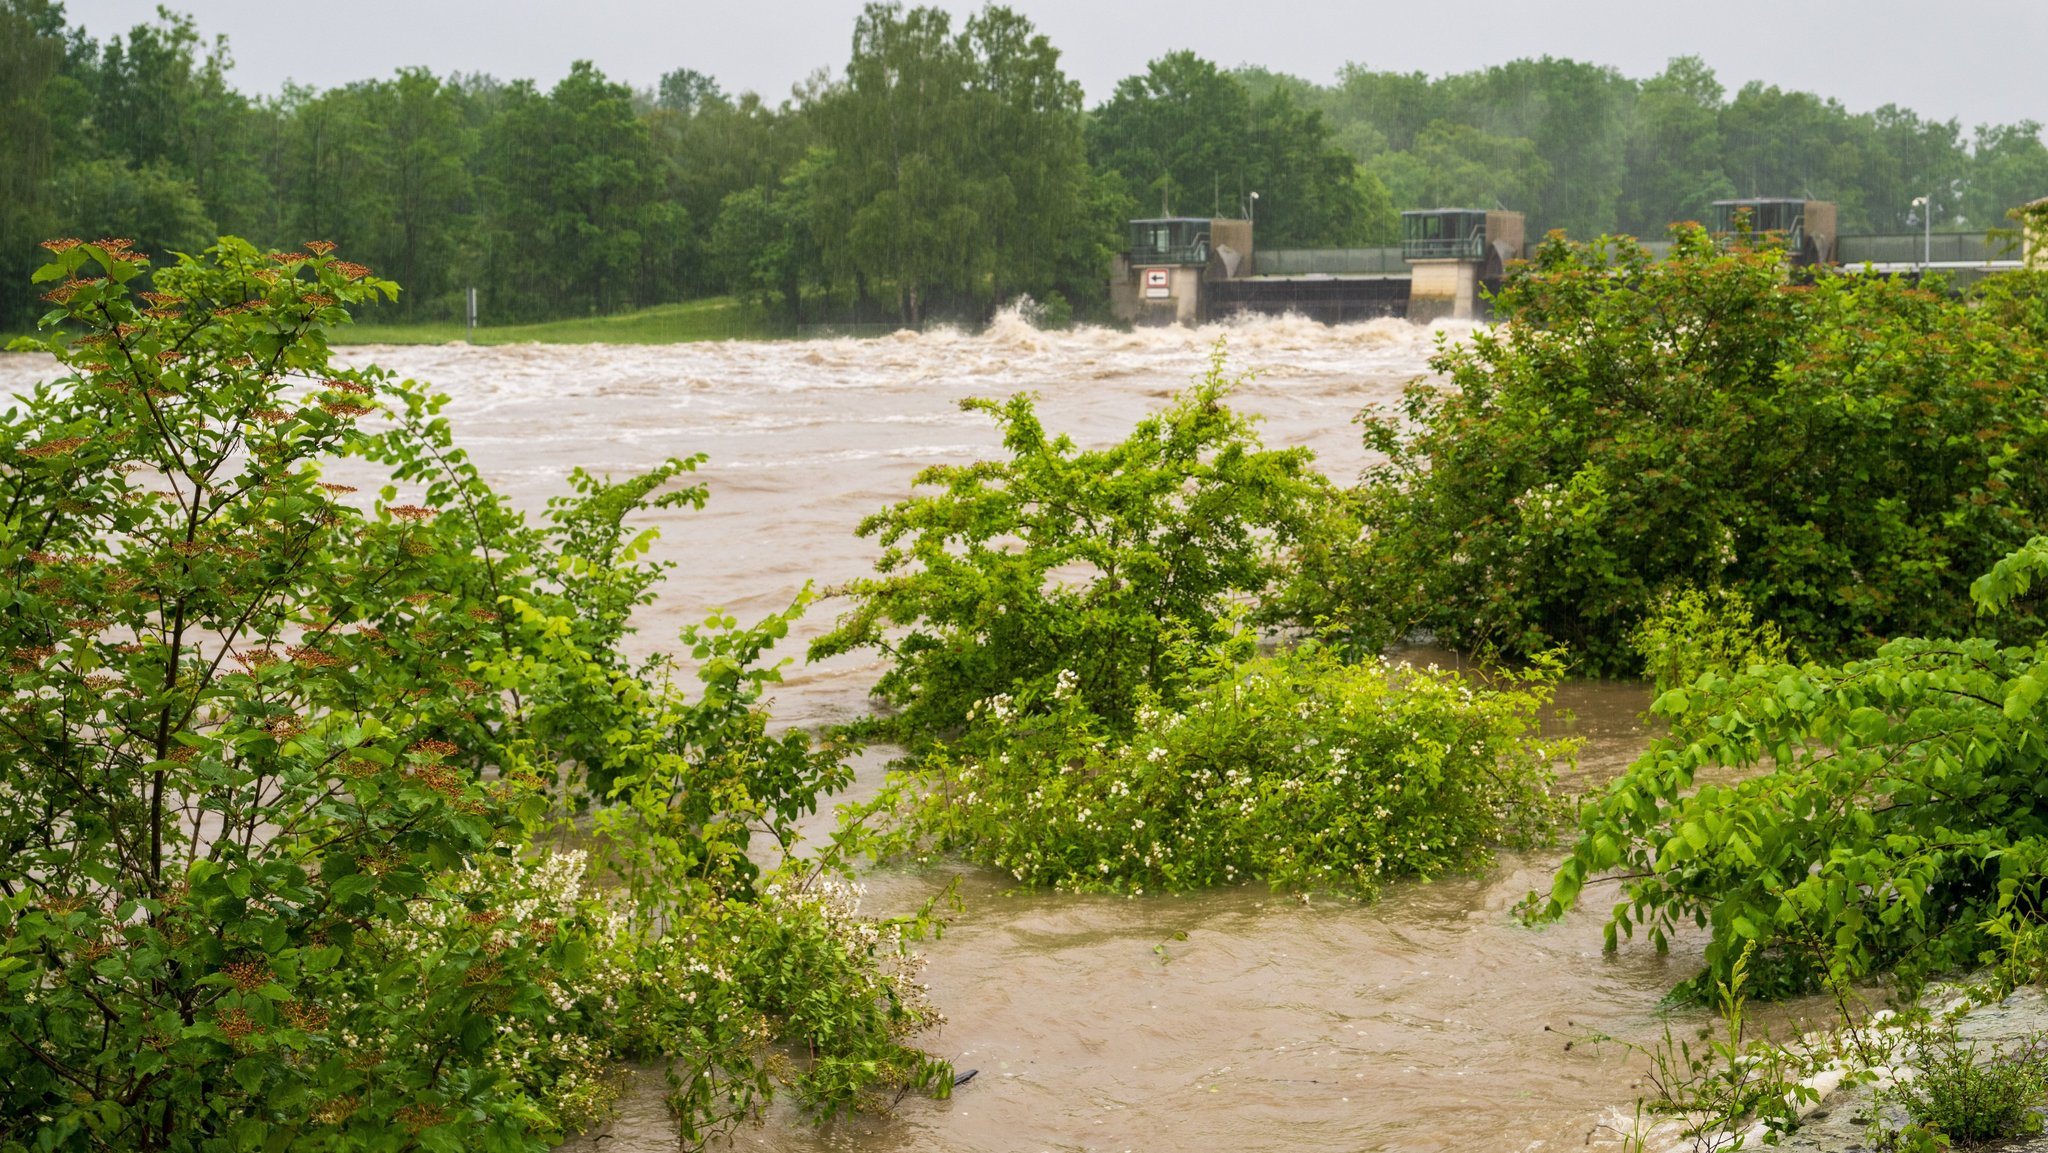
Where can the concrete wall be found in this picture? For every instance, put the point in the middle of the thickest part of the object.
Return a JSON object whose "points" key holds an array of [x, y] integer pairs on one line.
{"points": [[1132, 302], [1443, 288], [1820, 228], [1235, 235], [1123, 289], [1185, 284], [1506, 231]]}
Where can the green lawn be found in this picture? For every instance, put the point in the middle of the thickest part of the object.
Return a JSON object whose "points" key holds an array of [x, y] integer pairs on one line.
{"points": [[714, 318]]}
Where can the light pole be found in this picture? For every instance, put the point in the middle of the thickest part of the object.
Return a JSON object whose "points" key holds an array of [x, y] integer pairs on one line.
{"points": [[1252, 210], [1926, 206]]}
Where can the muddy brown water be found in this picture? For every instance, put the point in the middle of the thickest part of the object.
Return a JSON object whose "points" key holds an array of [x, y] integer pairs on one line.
{"points": [[1430, 1020]]}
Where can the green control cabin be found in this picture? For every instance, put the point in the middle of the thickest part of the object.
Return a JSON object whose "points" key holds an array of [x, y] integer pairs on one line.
{"points": [[1453, 253], [1162, 277], [1443, 234], [1170, 240], [1806, 226]]}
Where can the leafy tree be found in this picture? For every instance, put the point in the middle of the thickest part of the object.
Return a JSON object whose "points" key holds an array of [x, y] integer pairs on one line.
{"points": [[1394, 106], [1127, 558], [1574, 114], [425, 152], [718, 147], [2008, 168], [273, 762], [1458, 165], [686, 90], [577, 220], [1188, 136], [29, 60], [952, 166], [1897, 823], [1673, 166], [162, 98], [328, 176], [1177, 133], [763, 247], [1840, 454], [153, 205]]}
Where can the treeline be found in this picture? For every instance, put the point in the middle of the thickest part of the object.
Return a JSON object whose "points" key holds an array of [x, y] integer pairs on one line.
{"points": [[943, 171], [1586, 149]]}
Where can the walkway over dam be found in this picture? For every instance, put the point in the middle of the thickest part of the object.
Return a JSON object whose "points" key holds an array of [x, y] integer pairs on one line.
{"points": [[1187, 270]]}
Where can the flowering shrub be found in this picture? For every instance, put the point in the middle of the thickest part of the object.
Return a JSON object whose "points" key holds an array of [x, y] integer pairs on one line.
{"points": [[272, 760], [1295, 769]]}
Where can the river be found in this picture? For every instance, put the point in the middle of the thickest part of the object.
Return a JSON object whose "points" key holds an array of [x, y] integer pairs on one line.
{"points": [[1430, 1020]]}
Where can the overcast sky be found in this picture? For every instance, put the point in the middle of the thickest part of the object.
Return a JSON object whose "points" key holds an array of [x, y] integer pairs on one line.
{"points": [[1976, 61]]}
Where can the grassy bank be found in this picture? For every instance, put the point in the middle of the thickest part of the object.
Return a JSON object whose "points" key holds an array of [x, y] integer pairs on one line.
{"points": [[713, 318]]}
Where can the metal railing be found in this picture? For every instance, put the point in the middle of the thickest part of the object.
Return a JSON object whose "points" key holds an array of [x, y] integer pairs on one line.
{"points": [[1941, 248], [1196, 253], [1445, 248], [1328, 262]]}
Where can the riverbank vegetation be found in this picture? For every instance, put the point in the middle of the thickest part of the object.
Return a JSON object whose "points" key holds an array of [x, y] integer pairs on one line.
{"points": [[337, 820], [1072, 667], [590, 196], [1297, 770], [1811, 508], [1844, 455]]}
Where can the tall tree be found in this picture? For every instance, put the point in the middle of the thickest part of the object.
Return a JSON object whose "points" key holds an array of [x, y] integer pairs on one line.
{"points": [[1673, 155], [953, 165], [2008, 168], [578, 218], [29, 60], [1177, 133], [1187, 136], [426, 149], [1455, 165]]}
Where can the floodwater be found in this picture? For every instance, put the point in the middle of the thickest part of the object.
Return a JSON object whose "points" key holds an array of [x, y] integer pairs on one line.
{"points": [[1430, 1020]]}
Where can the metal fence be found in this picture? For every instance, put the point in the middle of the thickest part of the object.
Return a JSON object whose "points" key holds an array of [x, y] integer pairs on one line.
{"points": [[1941, 248], [1328, 262]]}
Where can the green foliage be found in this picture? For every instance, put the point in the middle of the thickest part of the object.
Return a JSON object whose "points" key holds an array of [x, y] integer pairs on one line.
{"points": [[954, 167], [272, 762], [598, 233], [1724, 1087], [1840, 455], [1622, 155], [1111, 565], [941, 174], [1459, 164], [1295, 769], [1696, 631], [1189, 138], [1969, 1099], [1900, 824], [387, 169]]}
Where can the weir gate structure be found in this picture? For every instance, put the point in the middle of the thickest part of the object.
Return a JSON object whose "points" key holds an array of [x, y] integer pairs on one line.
{"points": [[1187, 269]]}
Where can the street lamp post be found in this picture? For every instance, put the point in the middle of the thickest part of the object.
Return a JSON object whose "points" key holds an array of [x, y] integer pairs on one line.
{"points": [[1926, 206], [1252, 209]]}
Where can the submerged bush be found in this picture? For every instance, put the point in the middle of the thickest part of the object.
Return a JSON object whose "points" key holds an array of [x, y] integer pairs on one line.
{"points": [[1694, 631], [1900, 821], [1295, 769], [272, 762], [1843, 455], [1102, 564]]}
